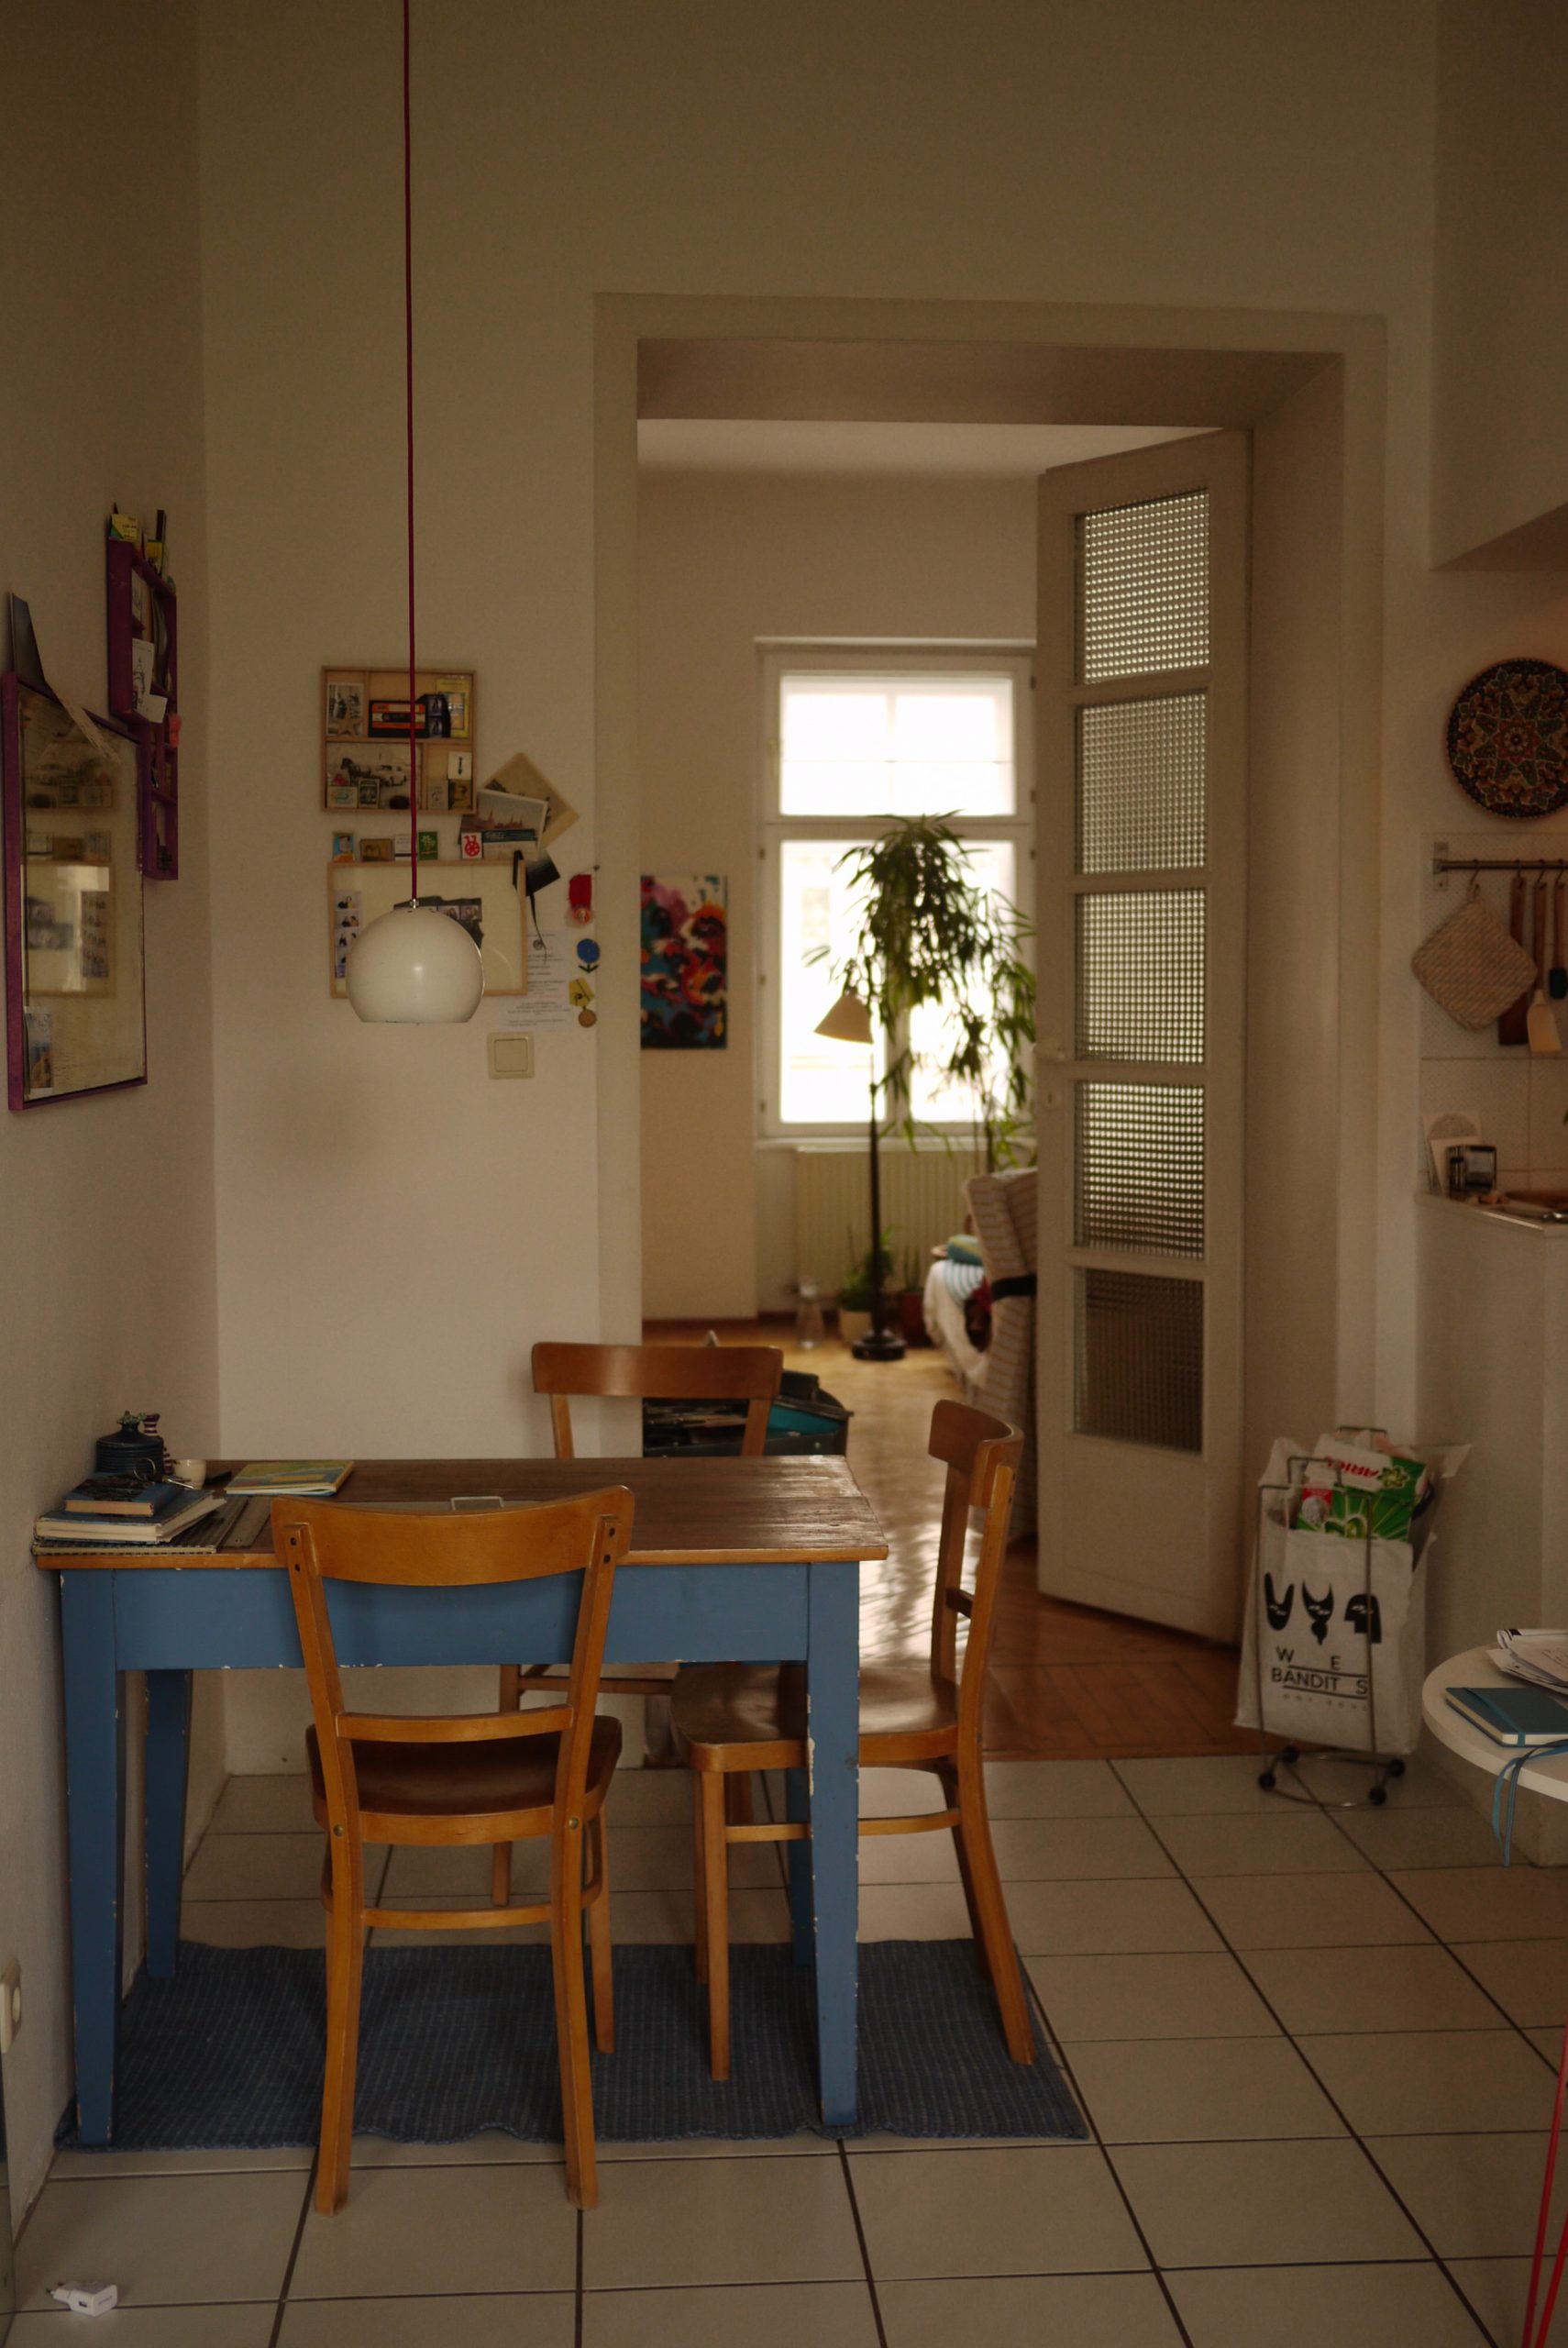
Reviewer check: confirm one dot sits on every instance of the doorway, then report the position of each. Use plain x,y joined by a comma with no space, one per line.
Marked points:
685,366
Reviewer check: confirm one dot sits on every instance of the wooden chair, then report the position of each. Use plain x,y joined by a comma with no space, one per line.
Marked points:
925,1716
748,1374
458,1780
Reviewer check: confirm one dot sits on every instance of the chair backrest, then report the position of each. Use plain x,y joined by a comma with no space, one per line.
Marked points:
981,1455
323,1541
748,1374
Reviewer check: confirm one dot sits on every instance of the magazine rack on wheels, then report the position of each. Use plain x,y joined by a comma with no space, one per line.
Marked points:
1384,1766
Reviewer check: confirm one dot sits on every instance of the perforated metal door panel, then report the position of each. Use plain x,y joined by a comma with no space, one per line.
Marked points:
1139,976
1139,1168
1141,795
1143,588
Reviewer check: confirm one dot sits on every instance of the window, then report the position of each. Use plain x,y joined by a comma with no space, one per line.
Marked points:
853,742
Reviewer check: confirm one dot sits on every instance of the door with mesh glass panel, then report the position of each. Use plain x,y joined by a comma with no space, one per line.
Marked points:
1142,915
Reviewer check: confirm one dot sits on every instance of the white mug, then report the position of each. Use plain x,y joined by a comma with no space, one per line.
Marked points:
190,1471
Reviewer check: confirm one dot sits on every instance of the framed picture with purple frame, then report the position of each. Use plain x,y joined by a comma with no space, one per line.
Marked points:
76,993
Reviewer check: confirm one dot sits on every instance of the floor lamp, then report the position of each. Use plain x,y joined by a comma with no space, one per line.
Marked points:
849,1022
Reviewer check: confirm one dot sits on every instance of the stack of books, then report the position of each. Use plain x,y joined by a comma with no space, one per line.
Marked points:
103,1509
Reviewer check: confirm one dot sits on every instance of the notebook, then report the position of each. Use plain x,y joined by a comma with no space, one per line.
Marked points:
127,1532
291,1480
106,1496
1518,1716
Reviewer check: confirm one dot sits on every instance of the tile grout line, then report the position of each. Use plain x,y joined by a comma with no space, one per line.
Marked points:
1362,2146
1400,1894
292,2258
848,2177
1063,2063
576,2293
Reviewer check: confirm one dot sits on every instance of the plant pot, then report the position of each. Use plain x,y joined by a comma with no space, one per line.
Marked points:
912,1317
852,1325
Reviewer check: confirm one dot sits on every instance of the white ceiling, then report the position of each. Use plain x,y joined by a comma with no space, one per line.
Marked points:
991,451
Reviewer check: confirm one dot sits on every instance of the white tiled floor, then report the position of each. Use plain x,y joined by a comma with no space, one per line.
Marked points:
1315,2051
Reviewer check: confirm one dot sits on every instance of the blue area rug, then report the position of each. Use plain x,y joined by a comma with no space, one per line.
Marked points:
229,2054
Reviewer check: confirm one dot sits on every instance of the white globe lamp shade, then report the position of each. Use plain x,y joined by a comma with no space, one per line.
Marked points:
415,964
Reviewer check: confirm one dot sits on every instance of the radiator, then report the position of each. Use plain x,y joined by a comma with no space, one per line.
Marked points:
922,1204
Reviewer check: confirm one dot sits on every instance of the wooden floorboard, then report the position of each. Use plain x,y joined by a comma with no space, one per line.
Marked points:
1068,1681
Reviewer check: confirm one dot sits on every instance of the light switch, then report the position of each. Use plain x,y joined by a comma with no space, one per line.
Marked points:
511,1055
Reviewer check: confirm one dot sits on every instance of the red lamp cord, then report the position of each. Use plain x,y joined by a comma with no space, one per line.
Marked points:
408,359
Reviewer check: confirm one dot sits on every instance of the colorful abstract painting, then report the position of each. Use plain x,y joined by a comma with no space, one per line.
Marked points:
685,958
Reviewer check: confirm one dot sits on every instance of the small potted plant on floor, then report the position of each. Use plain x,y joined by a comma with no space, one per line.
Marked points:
856,1293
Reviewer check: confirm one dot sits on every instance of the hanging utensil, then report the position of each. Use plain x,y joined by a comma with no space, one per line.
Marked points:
1541,1021
1558,982
1512,1025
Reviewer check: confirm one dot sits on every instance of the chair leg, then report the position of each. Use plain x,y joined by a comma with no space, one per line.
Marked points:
345,1972
716,1901
996,1933
699,1881
500,1865
571,2026
738,1804
600,1945
948,1778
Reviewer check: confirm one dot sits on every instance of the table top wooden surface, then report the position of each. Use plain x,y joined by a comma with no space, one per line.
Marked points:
688,1511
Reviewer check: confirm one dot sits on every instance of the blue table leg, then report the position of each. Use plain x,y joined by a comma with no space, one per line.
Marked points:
94,1794
832,1728
167,1762
797,1806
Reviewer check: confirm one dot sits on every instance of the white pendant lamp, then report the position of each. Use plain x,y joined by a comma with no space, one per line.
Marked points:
417,964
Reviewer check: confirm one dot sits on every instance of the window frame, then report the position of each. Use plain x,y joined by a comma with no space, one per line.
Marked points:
867,657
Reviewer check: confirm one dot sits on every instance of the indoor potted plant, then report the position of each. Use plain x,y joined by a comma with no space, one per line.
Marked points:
856,1294
931,935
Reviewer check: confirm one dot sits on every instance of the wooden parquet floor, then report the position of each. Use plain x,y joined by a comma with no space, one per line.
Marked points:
1067,1682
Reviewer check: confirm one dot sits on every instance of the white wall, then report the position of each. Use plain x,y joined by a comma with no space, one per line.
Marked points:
393,1231
723,560
1500,459
107,1203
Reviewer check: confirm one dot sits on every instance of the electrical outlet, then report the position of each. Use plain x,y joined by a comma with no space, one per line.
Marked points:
10,2004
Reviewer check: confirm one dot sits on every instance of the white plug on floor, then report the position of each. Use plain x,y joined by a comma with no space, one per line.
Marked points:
82,2302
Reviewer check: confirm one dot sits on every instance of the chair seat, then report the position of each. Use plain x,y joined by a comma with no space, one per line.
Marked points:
492,1777
725,1710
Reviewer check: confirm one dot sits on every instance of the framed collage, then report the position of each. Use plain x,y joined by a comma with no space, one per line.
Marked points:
369,766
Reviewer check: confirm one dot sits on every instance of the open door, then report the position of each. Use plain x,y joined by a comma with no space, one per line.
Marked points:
1141,716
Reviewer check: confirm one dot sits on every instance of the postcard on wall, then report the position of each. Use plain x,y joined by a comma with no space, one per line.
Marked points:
685,986
552,966
38,1028
346,712
521,778
346,908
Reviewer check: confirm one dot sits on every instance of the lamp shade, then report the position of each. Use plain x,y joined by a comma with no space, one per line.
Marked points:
849,1021
415,964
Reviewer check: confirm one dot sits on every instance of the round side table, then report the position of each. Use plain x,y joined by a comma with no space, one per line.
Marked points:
1475,1669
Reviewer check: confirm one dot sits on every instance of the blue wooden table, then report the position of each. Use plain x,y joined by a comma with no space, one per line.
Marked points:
742,1560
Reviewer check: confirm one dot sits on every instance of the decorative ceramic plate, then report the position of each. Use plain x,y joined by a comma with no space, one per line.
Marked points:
1507,739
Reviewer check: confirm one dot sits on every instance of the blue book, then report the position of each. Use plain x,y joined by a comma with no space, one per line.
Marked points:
108,1496
1518,1716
